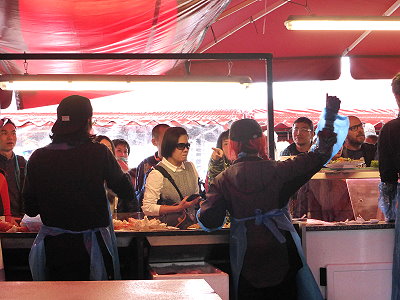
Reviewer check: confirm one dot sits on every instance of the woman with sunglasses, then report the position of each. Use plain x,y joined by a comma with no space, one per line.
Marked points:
161,198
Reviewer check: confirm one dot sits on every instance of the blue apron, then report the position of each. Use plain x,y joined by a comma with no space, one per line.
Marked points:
37,255
273,220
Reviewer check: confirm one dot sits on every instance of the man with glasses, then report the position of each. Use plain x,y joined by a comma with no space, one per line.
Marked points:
13,166
355,146
303,133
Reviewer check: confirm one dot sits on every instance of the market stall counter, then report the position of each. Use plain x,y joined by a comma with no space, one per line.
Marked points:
350,260
137,249
117,289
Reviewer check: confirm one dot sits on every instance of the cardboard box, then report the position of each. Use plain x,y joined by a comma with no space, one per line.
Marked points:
217,279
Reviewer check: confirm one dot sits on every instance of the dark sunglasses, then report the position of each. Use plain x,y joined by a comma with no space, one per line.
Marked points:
181,146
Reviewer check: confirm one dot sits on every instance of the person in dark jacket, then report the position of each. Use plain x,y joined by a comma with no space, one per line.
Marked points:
389,169
13,166
303,134
157,135
266,255
65,185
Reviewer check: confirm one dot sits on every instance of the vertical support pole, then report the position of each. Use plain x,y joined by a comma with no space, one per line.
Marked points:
270,110
2,273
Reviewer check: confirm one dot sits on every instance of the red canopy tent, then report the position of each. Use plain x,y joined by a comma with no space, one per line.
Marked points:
171,26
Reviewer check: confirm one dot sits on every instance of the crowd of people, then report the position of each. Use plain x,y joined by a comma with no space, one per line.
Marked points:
77,181
308,201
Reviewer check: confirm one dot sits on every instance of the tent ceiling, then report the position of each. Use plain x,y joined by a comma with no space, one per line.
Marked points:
307,55
183,26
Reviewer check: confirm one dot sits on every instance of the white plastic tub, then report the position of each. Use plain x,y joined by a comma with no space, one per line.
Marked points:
217,279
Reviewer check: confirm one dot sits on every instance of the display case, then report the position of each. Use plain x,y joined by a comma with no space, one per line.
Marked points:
340,195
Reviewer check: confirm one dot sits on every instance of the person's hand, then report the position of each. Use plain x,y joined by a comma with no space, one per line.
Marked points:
332,103
184,204
12,220
217,154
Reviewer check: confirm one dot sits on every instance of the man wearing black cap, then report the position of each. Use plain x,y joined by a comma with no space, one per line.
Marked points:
65,185
265,257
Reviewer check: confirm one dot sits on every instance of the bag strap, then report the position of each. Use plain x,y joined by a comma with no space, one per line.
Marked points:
169,177
20,171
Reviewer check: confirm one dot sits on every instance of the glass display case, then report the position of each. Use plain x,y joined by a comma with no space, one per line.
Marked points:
340,195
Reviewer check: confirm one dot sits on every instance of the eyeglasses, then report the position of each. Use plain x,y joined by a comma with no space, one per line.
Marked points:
302,130
355,127
181,146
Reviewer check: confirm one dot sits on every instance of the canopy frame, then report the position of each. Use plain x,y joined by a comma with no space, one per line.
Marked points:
266,57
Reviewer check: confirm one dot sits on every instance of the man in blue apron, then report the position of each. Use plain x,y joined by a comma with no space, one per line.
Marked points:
265,251
65,185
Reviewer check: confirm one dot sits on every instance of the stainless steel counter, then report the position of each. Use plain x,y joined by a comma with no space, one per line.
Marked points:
136,249
155,238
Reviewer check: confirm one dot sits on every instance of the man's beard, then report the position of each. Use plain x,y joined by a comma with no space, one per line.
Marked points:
356,143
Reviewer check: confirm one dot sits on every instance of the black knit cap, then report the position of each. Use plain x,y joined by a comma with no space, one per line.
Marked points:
244,130
73,113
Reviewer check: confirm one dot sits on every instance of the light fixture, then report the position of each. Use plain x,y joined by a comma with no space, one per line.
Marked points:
343,23
78,82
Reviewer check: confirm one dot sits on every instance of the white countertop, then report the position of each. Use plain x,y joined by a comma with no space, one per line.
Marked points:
102,290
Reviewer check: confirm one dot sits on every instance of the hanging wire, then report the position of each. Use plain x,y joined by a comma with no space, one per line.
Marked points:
265,18
188,65
25,66
254,23
230,66
305,5
213,34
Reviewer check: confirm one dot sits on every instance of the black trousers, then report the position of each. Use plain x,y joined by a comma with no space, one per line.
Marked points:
68,260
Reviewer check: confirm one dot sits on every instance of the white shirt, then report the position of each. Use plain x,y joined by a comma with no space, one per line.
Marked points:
154,184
